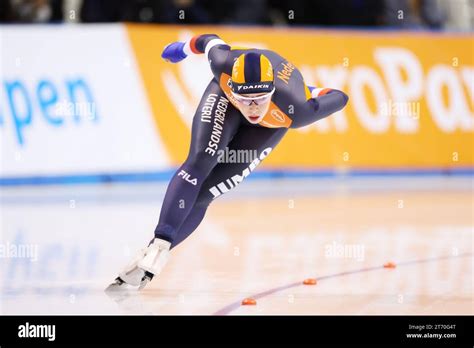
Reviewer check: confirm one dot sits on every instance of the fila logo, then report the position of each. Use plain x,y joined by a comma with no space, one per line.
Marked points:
187,177
260,85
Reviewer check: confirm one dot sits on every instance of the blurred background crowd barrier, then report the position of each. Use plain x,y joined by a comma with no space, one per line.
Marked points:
434,14
96,101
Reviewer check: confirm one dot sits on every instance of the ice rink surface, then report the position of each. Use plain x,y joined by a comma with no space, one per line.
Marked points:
62,245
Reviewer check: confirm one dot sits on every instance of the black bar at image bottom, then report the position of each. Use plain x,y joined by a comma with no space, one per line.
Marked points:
289,330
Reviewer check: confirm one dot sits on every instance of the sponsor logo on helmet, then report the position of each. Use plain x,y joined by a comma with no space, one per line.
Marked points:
256,86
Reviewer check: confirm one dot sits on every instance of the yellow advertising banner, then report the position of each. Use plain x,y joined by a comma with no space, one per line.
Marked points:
411,94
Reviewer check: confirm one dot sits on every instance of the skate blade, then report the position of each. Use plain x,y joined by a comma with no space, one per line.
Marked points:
145,280
117,285
119,291
142,285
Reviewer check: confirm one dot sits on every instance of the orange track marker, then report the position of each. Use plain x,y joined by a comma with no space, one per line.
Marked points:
249,302
390,265
310,281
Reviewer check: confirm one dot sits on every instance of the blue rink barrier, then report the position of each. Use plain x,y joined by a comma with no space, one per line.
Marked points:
264,174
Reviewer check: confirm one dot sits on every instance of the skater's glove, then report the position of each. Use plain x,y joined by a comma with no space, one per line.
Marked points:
174,52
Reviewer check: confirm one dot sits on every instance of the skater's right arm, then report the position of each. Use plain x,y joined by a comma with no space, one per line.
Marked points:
216,50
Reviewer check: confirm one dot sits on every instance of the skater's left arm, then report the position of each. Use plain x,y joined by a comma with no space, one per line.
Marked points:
323,102
215,49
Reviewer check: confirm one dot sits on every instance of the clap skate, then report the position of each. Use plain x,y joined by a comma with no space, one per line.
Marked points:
144,266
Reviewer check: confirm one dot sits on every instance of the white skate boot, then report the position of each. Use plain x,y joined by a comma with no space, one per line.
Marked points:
146,264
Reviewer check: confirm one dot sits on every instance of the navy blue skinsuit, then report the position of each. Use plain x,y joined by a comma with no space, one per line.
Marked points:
218,124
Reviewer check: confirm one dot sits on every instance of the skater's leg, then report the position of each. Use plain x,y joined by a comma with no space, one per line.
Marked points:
190,224
214,124
253,140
